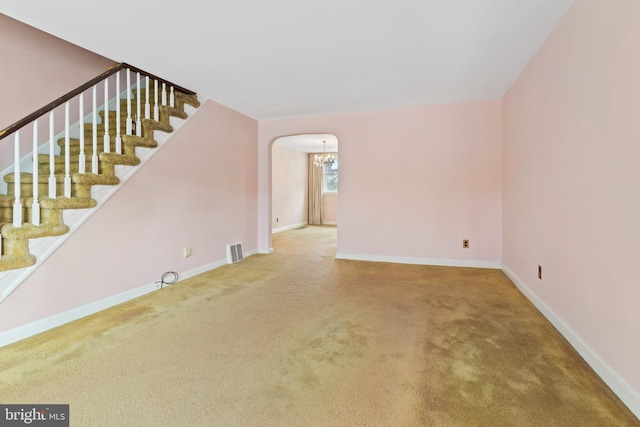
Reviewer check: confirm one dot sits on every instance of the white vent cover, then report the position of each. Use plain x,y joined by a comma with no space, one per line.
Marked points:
234,253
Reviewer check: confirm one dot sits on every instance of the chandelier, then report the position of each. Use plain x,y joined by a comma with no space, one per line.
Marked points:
325,158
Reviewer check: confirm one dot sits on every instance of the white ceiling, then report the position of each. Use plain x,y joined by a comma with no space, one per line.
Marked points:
310,143
285,58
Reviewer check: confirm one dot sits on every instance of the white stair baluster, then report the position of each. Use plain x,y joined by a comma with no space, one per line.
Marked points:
81,156
172,99
147,107
118,137
17,204
94,156
129,124
35,206
138,115
105,122
156,110
52,160
164,94
67,154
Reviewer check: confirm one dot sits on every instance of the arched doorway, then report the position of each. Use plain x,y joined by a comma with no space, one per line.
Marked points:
304,181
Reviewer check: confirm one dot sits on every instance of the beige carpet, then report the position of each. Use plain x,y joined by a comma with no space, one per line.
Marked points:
297,338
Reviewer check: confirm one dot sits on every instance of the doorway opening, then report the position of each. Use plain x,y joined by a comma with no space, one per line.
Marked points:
305,172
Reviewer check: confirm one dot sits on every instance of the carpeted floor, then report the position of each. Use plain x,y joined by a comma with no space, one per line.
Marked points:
297,338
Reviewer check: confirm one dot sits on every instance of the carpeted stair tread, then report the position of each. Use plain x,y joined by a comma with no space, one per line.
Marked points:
30,231
154,125
188,99
119,159
11,263
67,203
175,112
140,141
94,179
55,203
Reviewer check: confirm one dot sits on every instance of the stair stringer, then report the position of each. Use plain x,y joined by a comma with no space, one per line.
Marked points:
44,247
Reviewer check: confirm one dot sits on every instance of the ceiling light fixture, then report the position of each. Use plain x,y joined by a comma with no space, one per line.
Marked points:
325,158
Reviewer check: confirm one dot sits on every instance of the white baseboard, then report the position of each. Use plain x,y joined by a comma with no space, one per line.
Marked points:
329,223
422,261
42,325
620,387
288,227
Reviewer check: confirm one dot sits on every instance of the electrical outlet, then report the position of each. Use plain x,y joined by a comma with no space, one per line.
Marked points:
465,244
186,252
540,272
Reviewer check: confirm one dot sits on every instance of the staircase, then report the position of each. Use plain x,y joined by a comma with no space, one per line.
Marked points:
80,158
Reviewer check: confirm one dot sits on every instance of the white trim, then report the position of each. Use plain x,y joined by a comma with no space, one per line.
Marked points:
265,251
329,223
288,227
42,325
619,386
422,261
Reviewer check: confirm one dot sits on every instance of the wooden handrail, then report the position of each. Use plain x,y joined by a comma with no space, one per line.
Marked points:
77,91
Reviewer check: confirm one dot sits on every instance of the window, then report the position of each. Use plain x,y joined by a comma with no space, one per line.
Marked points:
330,177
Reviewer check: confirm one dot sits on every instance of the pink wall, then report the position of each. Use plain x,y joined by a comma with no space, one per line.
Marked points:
289,186
199,190
414,182
41,69
572,178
